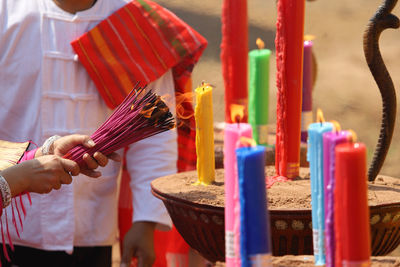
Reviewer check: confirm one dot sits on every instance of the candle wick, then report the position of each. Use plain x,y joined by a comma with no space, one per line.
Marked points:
237,119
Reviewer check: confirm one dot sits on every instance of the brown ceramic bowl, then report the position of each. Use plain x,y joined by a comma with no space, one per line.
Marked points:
202,227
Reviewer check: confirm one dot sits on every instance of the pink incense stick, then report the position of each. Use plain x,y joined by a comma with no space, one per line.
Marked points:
142,114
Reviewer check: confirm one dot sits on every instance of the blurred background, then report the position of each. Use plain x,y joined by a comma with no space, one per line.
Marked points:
345,90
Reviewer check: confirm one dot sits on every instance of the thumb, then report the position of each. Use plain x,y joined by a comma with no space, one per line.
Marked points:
80,139
88,142
70,166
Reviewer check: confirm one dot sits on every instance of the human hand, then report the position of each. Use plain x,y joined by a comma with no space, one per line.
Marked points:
139,242
61,146
50,172
40,175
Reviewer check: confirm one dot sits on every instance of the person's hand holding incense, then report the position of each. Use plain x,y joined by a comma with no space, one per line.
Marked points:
61,145
40,175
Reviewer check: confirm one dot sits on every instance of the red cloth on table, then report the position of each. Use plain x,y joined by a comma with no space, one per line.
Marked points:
139,43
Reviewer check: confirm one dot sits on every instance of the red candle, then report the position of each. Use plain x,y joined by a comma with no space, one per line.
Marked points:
234,53
351,206
289,59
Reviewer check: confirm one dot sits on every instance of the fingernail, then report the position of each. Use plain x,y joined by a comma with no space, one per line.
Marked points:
91,142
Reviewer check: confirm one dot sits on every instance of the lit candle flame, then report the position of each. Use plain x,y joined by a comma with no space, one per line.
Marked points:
352,136
320,116
237,112
245,141
309,37
260,43
336,126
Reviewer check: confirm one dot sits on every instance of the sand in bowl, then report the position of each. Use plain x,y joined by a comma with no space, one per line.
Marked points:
290,195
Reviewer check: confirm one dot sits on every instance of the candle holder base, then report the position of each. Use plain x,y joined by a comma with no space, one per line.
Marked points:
198,214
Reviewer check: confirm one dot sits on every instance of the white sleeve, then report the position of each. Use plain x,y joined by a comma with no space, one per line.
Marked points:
151,158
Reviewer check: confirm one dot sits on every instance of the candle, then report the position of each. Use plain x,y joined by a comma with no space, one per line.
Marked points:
315,157
255,242
289,54
330,141
232,133
204,135
259,92
306,107
234,54
351,206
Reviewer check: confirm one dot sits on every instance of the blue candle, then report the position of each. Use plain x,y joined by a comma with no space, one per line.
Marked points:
255,242
316,159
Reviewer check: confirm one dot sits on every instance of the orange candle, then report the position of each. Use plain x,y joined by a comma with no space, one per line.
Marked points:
351,206
289,59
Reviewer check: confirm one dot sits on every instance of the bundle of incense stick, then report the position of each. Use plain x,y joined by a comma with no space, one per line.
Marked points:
142,114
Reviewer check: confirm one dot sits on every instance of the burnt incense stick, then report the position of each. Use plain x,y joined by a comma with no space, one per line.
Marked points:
142,114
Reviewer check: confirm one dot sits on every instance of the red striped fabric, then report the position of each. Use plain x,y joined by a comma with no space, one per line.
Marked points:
140,42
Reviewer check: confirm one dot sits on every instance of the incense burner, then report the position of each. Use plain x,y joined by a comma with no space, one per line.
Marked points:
203,228
202,225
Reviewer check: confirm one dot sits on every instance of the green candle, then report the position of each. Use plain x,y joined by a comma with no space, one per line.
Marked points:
259,92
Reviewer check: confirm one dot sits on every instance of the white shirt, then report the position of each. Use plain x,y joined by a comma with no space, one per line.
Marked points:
46,91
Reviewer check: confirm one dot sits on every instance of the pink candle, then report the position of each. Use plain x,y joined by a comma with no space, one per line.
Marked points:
232,133
330,141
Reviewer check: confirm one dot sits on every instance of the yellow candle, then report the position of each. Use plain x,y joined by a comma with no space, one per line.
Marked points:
204,135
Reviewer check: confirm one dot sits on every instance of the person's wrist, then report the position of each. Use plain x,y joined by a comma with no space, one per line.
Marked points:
48,145
5,192
146,225
19,177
